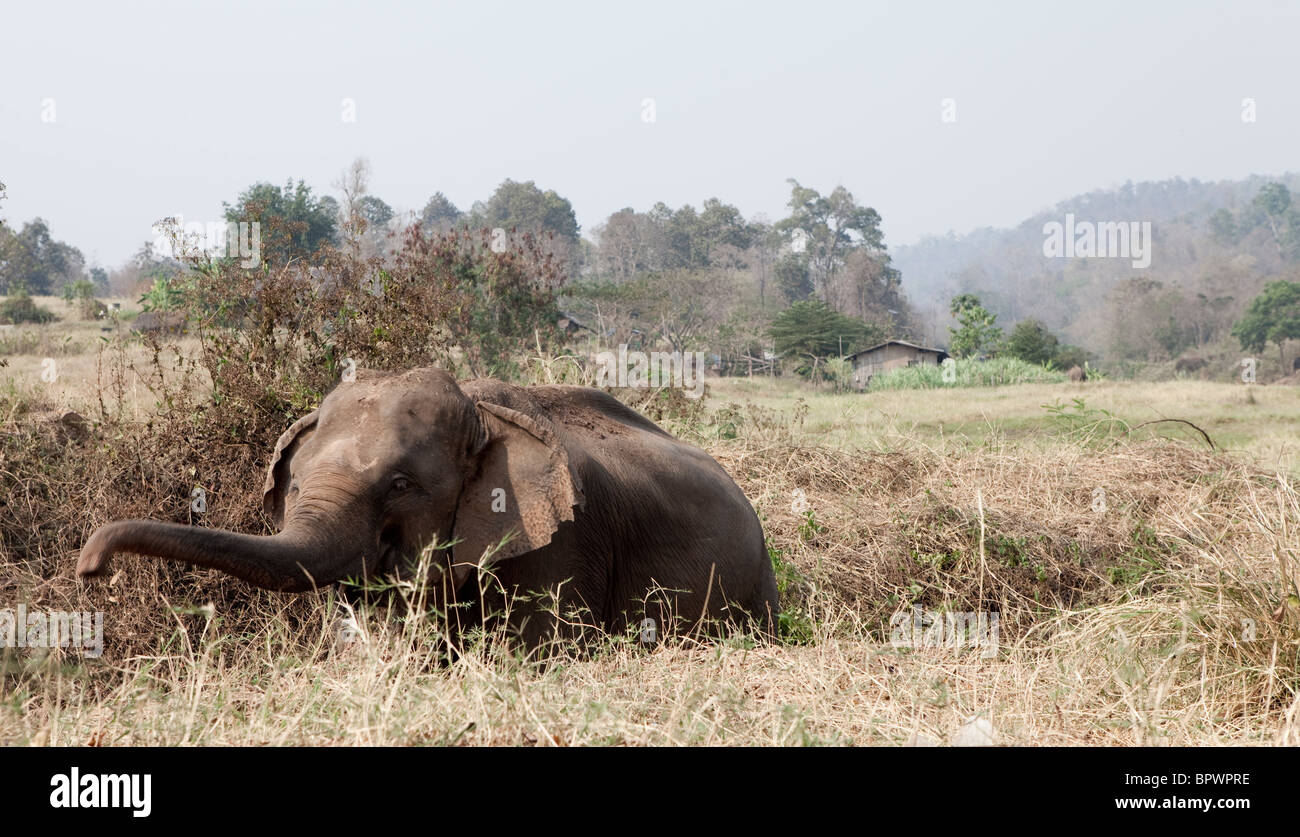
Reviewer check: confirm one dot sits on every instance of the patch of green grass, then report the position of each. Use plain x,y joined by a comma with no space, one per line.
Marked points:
1082,423
1007,550
795,624
966,373
809,528
1146,558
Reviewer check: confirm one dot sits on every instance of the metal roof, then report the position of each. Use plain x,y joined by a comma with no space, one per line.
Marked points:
899,343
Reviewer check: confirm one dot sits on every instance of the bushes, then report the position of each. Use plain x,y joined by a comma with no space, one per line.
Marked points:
20,308
82,294
89,308
163,295
275,339
1032,342
269,343
967,373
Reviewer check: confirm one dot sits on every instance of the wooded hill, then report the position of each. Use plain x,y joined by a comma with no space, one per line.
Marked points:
1215,245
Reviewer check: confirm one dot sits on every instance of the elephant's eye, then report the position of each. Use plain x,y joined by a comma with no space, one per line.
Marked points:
401,484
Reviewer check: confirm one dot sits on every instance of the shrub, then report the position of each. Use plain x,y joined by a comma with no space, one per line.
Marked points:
21,308
82,293
1068,357
1032,342
274,340
163,295
967,372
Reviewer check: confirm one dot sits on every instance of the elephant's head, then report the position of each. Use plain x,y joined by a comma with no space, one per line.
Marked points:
386,465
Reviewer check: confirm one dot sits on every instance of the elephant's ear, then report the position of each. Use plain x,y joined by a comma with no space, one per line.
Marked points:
523,488
276,484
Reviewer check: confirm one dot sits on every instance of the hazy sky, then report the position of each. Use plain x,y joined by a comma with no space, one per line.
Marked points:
171,107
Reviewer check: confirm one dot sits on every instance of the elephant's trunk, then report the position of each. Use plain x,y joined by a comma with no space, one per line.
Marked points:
291,561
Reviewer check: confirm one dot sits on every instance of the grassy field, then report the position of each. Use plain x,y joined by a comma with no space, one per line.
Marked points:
1259,424
78,349
1147,586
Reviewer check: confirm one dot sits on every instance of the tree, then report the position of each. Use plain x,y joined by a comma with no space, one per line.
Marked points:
137,275
354,184
869,289
812,331
99,277
1032,342
977,333
630,243
1149,321
82,294
1068,357
663,239
680,306
793,277
1271,317
149,266
721,229
831,226
294,222
684,236
495,308
329,205
764,247
1223,228
1273,202
31,258
376,212
527,208
439,214
80,289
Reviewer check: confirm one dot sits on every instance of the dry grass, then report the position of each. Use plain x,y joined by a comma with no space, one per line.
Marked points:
1106,639
1148,589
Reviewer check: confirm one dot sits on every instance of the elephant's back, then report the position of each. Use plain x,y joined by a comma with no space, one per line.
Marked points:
672,499
590,413
618,439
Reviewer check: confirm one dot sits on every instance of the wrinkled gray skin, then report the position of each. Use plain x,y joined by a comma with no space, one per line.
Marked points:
620,517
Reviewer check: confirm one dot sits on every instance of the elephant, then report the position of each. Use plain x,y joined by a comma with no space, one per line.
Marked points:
1077,374
590,498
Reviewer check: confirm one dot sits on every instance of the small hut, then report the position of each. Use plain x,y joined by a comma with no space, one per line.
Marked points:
892,354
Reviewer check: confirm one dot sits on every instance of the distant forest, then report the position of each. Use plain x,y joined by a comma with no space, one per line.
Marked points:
1215,247
707,278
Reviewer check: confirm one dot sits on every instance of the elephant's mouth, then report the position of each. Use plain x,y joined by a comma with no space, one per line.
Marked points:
391,548
399,549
